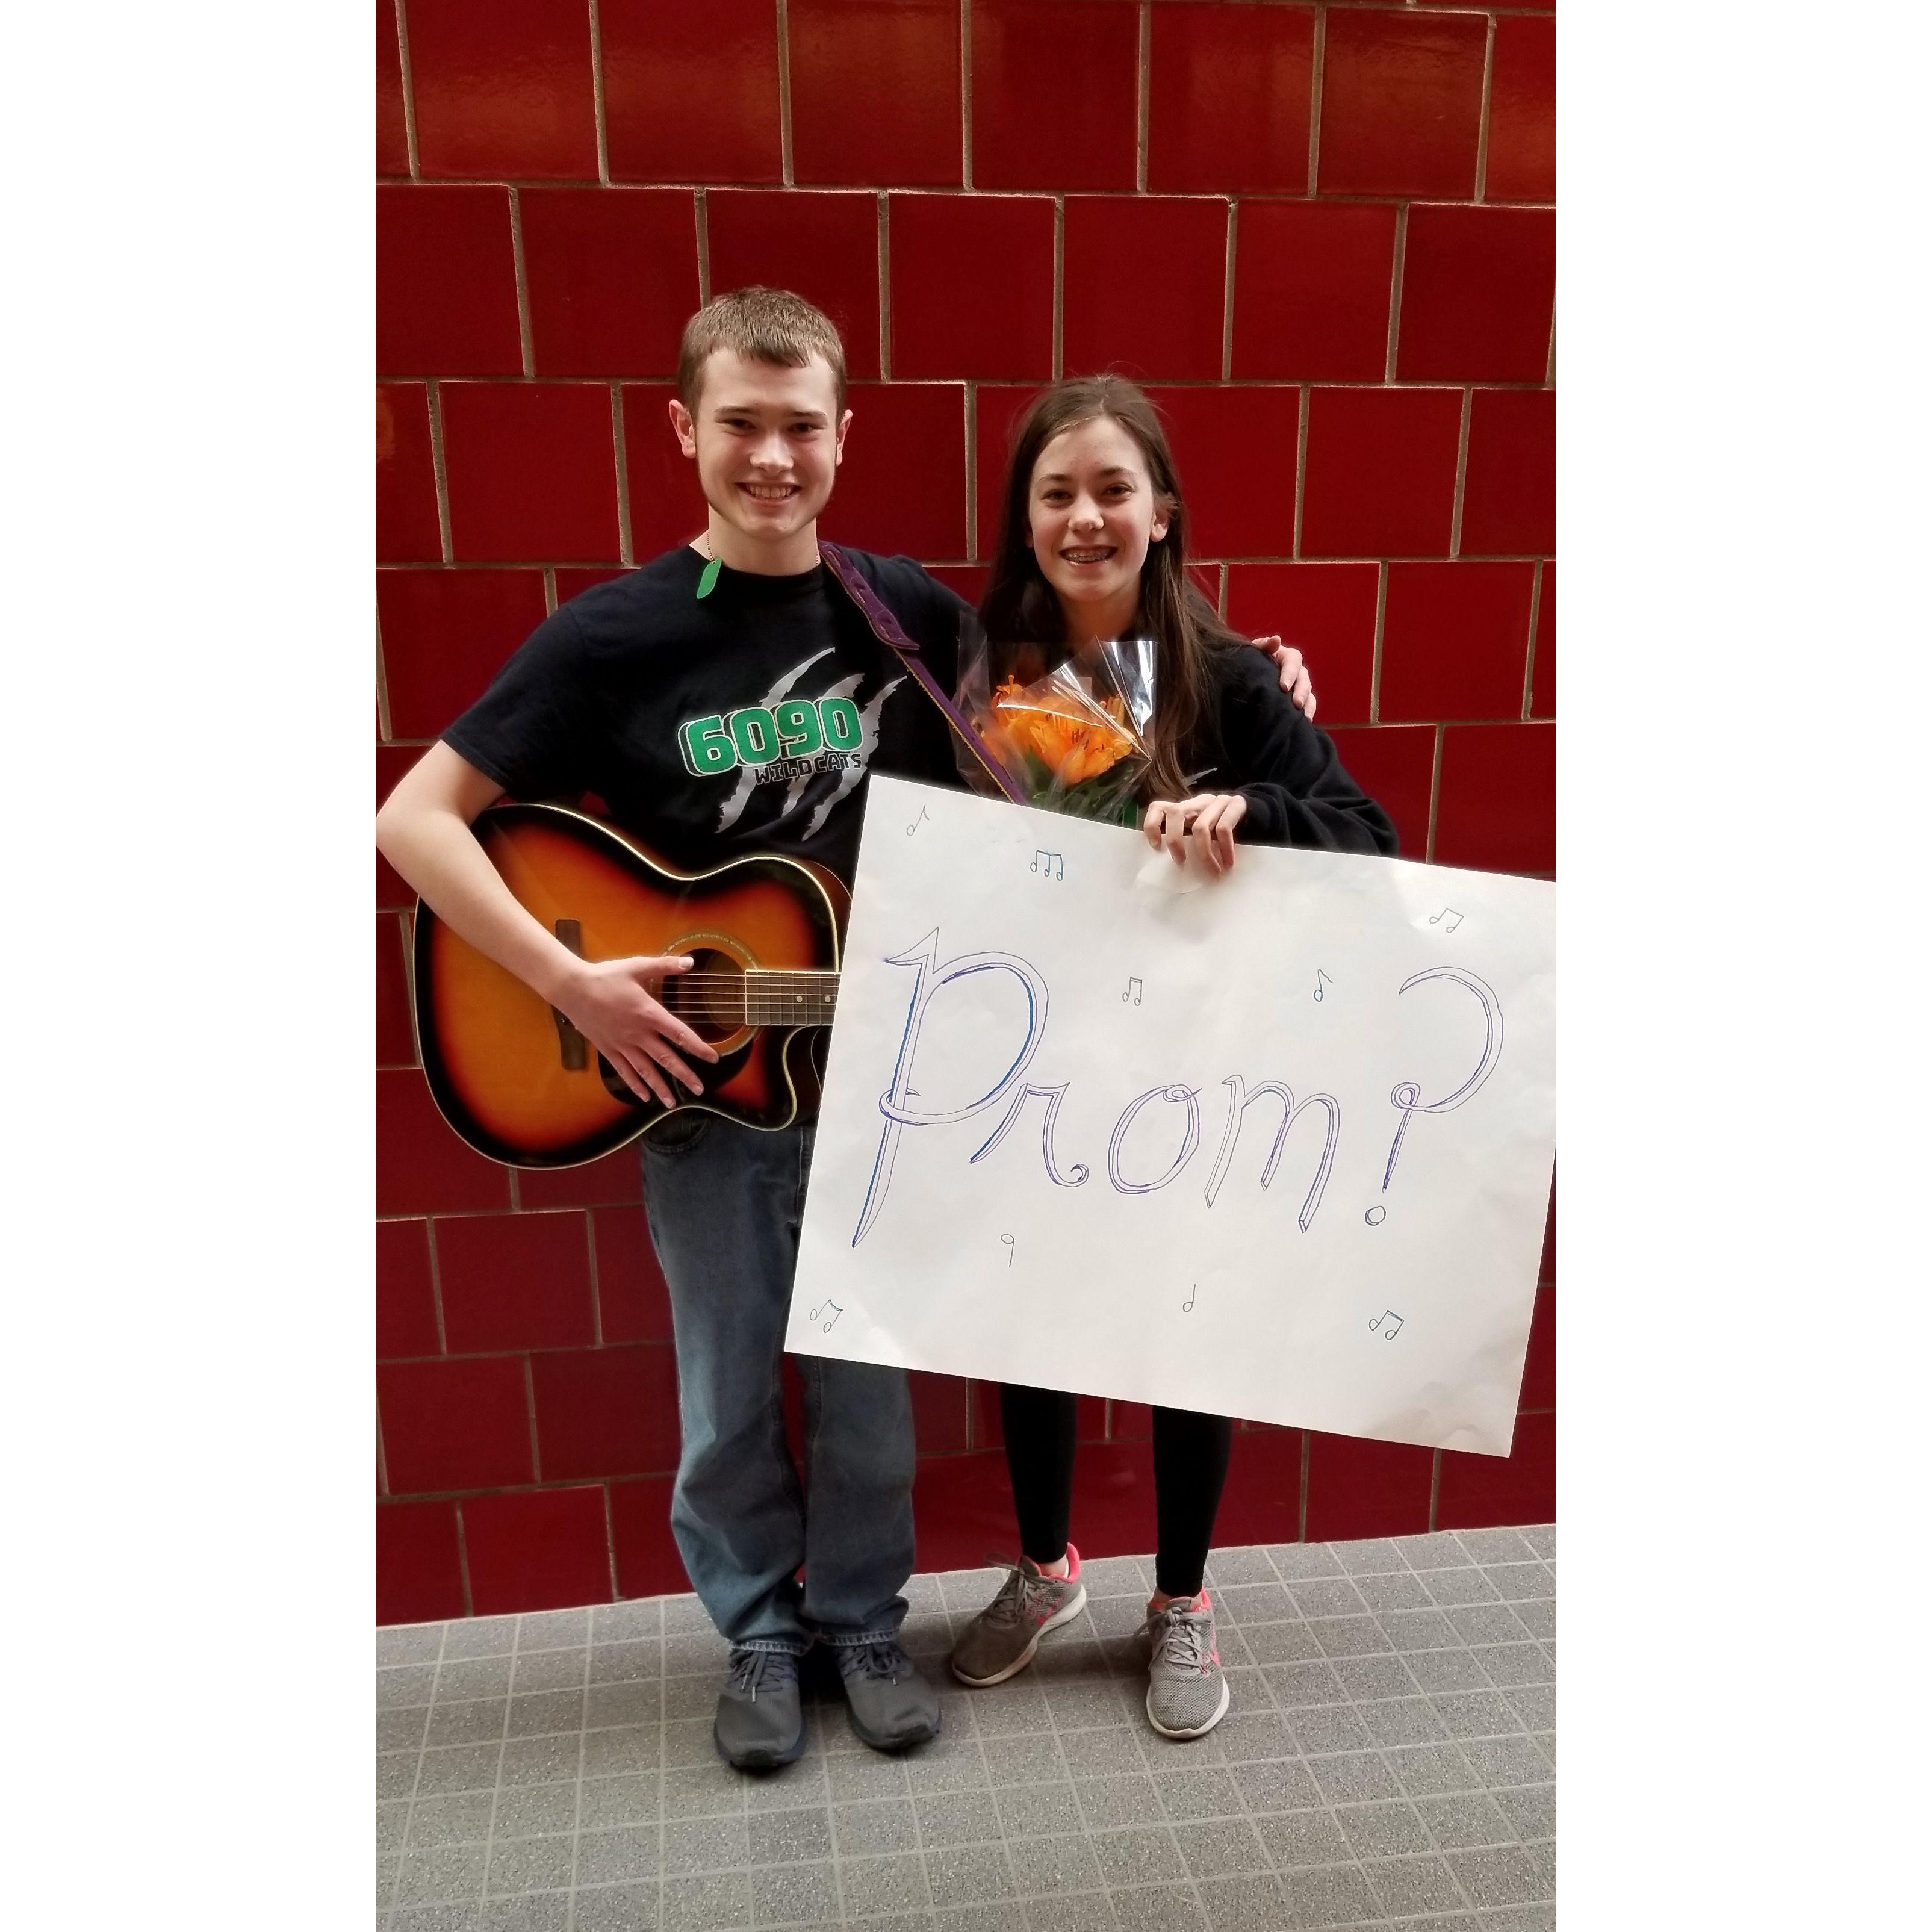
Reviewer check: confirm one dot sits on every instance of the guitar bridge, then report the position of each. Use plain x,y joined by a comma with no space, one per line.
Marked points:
575,1049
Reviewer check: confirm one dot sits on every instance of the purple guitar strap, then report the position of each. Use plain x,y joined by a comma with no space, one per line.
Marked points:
888,630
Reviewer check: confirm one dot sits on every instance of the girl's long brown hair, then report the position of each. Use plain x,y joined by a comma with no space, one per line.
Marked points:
1020,607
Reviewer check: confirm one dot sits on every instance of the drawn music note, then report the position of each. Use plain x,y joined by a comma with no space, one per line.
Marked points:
1393,1320
1133,991
1454,918
1008,1240
836,1312
923,814
1191,1294
1319,977
1040,852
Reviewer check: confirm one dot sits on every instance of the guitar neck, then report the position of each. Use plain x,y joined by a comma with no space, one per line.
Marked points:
759,996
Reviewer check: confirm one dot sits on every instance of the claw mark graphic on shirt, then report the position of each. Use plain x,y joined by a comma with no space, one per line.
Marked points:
868,743
748,776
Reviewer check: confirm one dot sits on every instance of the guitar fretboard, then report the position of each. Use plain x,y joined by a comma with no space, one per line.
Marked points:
760,996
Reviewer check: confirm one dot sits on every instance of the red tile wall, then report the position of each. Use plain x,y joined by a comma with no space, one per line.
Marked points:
1324,235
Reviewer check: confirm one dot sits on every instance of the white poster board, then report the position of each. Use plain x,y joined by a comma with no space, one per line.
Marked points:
1276,1145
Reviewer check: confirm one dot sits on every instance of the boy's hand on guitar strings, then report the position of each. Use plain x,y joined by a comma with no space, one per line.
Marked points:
610,1002
1204,826
1294,678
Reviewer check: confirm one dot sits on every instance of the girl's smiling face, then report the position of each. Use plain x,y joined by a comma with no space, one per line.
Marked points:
1091,514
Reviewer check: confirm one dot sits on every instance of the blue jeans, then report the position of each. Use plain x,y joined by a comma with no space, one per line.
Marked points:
724,1203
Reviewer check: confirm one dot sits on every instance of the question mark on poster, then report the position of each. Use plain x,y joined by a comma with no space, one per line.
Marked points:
1407,1094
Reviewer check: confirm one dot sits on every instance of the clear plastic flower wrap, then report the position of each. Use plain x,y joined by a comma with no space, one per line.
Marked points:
1073,736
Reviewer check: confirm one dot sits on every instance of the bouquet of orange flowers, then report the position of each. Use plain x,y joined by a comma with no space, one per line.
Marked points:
1073,736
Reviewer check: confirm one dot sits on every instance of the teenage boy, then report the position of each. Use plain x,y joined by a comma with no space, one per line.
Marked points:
599,699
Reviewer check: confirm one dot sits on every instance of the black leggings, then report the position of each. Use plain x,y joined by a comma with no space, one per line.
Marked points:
1190,1464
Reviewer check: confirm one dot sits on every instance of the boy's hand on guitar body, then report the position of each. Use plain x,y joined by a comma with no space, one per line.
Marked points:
611,1003
1294,678
1203,826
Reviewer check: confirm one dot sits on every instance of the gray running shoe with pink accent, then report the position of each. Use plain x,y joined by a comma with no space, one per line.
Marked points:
1187,1690
1000,1641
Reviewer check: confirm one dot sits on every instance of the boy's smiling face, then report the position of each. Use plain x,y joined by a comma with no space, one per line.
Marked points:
767,440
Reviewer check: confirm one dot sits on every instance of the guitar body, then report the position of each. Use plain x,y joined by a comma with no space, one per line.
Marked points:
517,1082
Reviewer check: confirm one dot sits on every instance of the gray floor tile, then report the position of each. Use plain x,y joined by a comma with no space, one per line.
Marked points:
540,1670
1100,1753
1313,1680
1509,1665
481,1723
704,1790
968,1874
1327,1597
896,1883
1385,1831
1302,1838
1282,1643
533,1811
1219,1848
1055,1864
1409,1886
1324,1895
1519,1918
863,1775
1350,1637
480,1636
1437,1671
1275,1785
1495,1545
539,1912
403,1729
1404,1591
435,1918
614,1800
618,1623
1208,1793
1534,1705
1427,1771
1070,1911
405,1684
458,1819
1501,1761
1439,1551
685,1613
955,1817
1291,1560
448,1873
1329,1727
1113,1577
518,1865
623,1753
1108,1802
788,1838
1029,1759
538,1760
1040,1810
1225,1568
1145,1855
1375,1556
467,1678
1449,1589
620,1856
416,1643
1417,1630
553,1629
1464,1818
1542,1539
1489,1623
1477,1714
1260,1602
1501,1875
1538,1617
462,1768
620,1908
1530,1810
1402,1721
1159,1908
1355,1778
1246,1736
1252,1902
875,1826
711,1901
704,1844
788,1895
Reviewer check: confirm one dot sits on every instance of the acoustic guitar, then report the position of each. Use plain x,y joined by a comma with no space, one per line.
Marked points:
520,1084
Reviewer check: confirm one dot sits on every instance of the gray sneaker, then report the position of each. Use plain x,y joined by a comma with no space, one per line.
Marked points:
892,1705
760,1723
1000,1641
1187,1692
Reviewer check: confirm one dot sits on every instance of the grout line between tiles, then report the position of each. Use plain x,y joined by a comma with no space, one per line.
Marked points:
1302,410
597,95
523,334
966,94
409,90
1462,471
784,94
1428,859
1143,91
1529,656
1482,111
437,461
1395,289
1317,64
702,214
1375,649
625,552
1228,305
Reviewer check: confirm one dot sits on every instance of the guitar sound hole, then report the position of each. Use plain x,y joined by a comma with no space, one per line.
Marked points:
710,998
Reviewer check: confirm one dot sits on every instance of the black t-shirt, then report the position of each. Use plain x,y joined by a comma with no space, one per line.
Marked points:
742,722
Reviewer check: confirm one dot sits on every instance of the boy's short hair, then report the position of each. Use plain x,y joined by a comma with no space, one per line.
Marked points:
761,325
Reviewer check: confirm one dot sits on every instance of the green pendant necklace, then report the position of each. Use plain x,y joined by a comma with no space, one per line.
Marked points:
707,578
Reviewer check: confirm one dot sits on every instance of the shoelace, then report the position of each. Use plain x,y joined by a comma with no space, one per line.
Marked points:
878,1659
751,1668
1181,1637
1020,1595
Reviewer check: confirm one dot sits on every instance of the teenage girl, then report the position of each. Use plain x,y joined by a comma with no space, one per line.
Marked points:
1093,547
